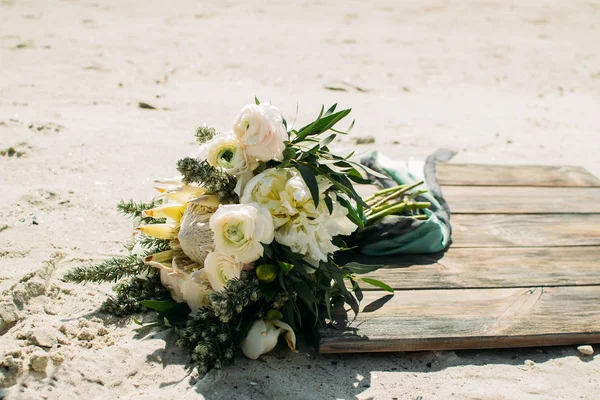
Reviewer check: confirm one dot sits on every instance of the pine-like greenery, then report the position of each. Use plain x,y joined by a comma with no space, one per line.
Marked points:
212,179
130,292
110,270
154,245
204,134
214,332
134,210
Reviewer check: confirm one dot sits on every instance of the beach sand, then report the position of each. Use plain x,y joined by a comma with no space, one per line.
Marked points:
497,81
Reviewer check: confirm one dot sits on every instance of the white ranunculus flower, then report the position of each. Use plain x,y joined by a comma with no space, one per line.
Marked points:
220,268
241,229
227,152
263,335
300,225
260,128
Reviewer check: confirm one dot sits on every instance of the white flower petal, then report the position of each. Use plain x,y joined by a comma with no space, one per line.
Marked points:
263,335
261,130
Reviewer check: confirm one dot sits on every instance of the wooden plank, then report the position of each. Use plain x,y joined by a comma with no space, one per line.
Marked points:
468,319
484,230
490,268
514,175
521,200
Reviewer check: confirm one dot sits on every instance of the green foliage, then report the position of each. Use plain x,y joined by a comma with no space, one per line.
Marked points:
378,283
204,134
135,209
310,154
153,245
110,270
130,293
213,179
214,332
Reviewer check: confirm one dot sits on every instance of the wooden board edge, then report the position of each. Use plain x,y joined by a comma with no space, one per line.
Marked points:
364,345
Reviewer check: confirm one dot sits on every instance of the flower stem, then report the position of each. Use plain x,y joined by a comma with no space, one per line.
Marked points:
396,193
398,207
383,192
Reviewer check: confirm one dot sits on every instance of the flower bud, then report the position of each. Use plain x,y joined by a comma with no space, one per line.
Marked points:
266,273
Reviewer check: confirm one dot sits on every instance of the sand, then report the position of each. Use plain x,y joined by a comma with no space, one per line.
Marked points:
497,81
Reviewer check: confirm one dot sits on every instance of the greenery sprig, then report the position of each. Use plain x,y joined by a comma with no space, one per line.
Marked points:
212,179
130,293
111,270
134,210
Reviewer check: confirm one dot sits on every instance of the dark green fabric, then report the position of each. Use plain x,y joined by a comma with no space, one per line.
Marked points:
404,235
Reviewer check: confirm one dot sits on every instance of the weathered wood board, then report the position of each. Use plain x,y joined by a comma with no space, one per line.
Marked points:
514,175
523,269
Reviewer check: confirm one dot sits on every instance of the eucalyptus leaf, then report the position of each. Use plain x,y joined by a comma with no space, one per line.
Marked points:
378,283
327,140
159,306
330,110
352,214
360,269
311,181
329,204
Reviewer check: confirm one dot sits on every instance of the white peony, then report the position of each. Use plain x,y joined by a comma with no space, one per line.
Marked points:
263,335
300,225
220,268
260,128
227,152
241,229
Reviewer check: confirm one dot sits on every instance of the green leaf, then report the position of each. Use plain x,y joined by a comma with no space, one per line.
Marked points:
327,140
352,214
378,284
274,315
360,269
347,131
328,303
305,293
289,153
268,290
327,122
329,204
355,176
370,170
285,267
256,101
311,181
159,306
320,125
330,110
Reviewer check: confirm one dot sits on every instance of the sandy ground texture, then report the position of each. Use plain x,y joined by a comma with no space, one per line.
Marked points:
497,81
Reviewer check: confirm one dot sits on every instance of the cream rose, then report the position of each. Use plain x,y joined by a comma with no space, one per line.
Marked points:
227,152
241,229
221,268
260,128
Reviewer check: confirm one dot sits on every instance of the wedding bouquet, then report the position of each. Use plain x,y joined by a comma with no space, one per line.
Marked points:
241,248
